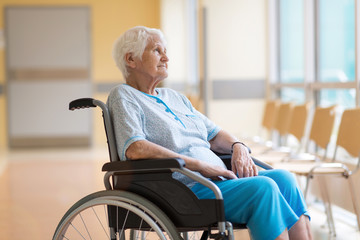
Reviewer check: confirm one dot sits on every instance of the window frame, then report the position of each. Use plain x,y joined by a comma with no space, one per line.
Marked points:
311,85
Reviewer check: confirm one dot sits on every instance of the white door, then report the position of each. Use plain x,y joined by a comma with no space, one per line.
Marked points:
48,65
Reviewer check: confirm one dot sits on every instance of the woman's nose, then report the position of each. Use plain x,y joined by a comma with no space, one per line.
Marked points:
164,58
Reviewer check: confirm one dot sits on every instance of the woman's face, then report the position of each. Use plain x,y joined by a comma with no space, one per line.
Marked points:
154,60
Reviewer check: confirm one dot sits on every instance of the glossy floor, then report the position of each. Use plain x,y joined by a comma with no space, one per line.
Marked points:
37,187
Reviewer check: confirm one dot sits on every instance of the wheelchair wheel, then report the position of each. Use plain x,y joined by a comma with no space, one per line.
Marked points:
115,215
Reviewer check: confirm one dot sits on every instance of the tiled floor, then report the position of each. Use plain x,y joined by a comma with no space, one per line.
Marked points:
37,187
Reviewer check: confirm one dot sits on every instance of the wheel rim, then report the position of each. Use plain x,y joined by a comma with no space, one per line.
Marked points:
77,225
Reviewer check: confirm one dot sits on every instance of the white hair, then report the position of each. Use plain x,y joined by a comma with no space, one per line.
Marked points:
133,41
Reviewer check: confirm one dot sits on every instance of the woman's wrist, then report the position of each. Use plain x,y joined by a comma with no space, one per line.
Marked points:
239,143
191,163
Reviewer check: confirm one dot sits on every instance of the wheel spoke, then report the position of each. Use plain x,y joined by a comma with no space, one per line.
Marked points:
123,227
77,231
137,232
85,226
85,219
65,237
101,222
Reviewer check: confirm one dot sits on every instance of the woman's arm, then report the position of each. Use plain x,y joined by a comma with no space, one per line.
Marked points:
147,150
241,162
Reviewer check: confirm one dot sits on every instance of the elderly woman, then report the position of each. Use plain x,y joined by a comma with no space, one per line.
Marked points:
161,123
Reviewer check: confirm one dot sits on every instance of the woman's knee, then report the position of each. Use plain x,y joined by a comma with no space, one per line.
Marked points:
265,186
282,177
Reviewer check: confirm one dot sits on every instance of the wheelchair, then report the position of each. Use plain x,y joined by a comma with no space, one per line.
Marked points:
143,201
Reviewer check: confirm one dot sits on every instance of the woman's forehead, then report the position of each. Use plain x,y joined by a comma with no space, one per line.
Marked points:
155,40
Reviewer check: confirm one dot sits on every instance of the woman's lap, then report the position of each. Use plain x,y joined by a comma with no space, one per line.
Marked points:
268,203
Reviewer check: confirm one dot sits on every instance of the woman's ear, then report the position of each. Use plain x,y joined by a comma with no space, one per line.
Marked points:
130,61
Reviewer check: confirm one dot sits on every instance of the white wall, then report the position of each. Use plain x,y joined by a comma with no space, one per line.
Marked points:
173,24
236,40
237,51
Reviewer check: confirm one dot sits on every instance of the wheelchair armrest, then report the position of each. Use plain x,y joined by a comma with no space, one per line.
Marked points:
262,164
155,166
144,165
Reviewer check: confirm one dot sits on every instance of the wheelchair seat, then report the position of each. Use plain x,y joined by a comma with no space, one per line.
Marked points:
142,199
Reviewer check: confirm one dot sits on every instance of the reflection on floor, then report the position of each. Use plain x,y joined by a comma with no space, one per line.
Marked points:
37,187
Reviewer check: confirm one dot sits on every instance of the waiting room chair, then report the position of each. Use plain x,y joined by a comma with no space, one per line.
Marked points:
267,124
270,114
348,139
297,124
280,127
320,136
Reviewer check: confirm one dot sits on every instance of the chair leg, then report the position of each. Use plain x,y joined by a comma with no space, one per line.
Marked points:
327,205
308,178
353,198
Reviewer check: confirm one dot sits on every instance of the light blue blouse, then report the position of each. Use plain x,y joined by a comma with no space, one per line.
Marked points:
167,119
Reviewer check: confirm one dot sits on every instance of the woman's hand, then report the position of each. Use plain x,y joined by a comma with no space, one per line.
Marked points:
214,172
241,162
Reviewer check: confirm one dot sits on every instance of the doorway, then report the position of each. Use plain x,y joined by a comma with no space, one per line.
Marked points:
47,66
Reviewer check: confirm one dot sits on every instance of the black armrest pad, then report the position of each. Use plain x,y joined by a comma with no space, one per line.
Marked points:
144,165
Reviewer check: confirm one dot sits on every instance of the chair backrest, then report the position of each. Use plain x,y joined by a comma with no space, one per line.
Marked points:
270,112
298,120
322,126
349,132
282,121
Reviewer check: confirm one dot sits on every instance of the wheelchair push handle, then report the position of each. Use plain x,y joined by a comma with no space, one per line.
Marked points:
81,103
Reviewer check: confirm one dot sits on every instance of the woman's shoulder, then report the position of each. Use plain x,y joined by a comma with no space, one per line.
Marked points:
122,91
120,88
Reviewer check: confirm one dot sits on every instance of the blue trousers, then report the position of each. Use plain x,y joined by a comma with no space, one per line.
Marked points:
267,204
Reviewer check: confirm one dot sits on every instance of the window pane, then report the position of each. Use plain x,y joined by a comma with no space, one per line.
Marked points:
296,95
345,98
336,40
291,41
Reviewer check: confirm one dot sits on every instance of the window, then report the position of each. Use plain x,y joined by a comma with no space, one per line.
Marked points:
291,49
315,51
342,97
336,51
336,43
296,95
291,41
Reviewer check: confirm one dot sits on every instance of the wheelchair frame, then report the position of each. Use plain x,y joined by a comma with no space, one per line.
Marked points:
147,196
